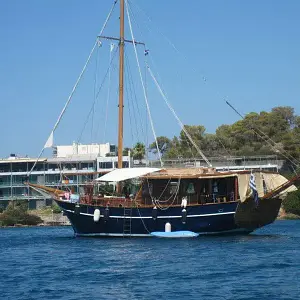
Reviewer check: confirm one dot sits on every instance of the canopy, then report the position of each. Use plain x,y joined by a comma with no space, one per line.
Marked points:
126,173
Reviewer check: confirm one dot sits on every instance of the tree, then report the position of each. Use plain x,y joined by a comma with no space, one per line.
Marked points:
197,134
16,213
174,151
138,151
287,113
275,132
291,203
126,150
164,145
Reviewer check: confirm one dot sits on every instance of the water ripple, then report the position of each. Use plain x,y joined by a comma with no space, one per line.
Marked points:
49,263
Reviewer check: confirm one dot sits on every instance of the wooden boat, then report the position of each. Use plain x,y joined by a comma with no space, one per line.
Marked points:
200,200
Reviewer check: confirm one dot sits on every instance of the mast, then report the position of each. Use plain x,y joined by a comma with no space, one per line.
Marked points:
121,91
121,86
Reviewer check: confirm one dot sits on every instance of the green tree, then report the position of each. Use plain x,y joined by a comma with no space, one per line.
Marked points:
291,203
164,145
138,151
197,133
174,151
126,150
16,213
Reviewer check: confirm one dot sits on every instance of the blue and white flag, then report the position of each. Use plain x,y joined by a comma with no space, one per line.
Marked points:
253,187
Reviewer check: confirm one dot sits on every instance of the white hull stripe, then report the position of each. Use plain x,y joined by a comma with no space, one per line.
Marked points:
158,217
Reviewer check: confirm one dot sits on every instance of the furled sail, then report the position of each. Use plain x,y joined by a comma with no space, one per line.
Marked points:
273,181
265,183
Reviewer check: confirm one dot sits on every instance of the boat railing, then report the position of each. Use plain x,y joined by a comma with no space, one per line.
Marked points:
226,162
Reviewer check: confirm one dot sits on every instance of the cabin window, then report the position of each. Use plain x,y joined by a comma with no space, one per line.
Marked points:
190,188
147,189
173,188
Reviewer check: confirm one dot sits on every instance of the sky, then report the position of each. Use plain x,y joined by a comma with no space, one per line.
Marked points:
202,52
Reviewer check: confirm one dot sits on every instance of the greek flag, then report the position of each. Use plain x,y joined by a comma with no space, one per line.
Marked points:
253,187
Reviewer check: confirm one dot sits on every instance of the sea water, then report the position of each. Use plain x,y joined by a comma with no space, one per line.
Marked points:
49,263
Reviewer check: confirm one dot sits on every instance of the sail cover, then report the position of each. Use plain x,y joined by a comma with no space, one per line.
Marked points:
126,173
273,181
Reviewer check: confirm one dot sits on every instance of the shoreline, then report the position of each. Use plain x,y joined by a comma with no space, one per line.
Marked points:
39,225
288,216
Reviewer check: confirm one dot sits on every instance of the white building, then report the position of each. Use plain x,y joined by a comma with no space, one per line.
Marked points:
81,150
110,163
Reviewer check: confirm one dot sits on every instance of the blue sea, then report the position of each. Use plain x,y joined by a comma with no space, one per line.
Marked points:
49,263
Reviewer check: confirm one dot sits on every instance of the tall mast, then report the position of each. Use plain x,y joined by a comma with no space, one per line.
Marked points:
121,86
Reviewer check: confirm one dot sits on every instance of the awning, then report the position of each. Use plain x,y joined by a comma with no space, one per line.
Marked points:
126,173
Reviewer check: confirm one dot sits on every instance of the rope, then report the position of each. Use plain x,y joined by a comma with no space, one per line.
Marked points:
156,202
142,82
108,91
142,220
95,86
130,118
177,118
94,102
75,86
267,139
129,91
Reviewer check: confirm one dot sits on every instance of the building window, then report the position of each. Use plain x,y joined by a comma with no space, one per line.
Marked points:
105,165
125,164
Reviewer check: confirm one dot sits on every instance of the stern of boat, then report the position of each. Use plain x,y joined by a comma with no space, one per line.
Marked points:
253,215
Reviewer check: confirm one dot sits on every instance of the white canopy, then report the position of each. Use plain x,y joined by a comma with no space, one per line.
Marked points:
126,173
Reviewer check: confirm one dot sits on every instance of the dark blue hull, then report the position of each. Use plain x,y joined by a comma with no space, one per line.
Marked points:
203,219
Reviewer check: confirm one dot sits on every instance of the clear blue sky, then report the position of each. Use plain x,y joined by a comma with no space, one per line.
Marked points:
248,52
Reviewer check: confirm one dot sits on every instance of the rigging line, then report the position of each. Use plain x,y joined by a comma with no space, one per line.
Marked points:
176,147
135,105
156,202
222,144
203,77
177,118
76,84
191,149
151,58
93,105
113,68
267,139
167,39
131,87
95,85
108,90
145,81
127,92
145,73
142,82
172,195
129,110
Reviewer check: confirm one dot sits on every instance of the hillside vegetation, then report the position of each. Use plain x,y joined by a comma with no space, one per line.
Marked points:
16,213
275,132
